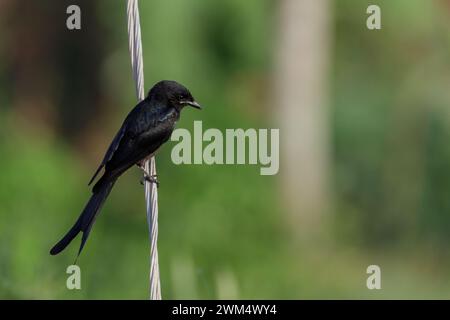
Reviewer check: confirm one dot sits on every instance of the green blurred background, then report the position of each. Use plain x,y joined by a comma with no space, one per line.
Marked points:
364,121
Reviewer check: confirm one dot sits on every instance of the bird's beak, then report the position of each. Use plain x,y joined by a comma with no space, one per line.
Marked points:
194,104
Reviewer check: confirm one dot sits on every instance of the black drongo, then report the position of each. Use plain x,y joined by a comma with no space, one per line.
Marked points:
144,130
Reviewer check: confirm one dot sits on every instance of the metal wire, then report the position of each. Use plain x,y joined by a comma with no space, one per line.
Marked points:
151,191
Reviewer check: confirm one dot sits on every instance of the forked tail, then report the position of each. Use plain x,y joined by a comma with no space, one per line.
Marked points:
87,218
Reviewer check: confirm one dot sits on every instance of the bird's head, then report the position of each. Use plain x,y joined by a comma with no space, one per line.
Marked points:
173,94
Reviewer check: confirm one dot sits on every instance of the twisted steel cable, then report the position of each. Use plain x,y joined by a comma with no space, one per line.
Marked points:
151,191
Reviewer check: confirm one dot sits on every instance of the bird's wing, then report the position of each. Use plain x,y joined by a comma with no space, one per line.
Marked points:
146,132
110,152
117,139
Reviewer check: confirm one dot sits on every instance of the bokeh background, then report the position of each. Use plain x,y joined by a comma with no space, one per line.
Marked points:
364,120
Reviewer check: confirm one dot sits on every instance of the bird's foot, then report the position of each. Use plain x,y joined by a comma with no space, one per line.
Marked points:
151,179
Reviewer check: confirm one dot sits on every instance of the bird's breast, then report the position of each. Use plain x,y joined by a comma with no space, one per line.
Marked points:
158,131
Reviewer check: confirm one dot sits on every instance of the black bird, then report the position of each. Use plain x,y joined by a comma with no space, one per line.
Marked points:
144,130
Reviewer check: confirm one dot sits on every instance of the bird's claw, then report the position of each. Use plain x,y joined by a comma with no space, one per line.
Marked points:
151,179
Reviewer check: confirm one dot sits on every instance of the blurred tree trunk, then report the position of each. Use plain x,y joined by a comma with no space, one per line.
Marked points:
301,108
54,73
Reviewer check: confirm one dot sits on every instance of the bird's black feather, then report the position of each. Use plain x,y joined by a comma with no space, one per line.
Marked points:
144,130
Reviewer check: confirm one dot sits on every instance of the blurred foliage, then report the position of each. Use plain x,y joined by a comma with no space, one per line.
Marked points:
391,168
391,157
